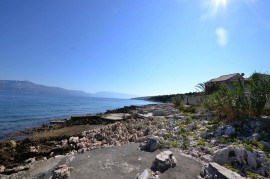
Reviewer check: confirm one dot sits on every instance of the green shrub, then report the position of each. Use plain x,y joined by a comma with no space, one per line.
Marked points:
251,174
167,136
169,144
254,143
178,101
201,142
248,147
226,140
230,168
239,99
187,109
183,131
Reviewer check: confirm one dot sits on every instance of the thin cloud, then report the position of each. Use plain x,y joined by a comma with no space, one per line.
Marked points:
222,37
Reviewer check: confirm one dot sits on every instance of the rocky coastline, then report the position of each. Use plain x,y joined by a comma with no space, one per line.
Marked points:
224,149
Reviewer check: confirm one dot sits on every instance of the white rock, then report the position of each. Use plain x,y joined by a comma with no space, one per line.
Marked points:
83,139
64,142
2,168
174,161
33,149
73,140
80,145
30,160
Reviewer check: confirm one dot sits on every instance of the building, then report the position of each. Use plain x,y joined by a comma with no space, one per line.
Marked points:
213,84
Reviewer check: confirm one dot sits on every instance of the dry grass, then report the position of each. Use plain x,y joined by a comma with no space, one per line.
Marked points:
67,131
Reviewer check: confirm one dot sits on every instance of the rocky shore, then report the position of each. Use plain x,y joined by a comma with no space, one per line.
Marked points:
224,150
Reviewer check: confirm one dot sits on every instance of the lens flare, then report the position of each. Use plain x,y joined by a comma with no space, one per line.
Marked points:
220,3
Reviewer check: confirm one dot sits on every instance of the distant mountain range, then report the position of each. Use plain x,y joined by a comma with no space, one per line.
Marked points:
32,88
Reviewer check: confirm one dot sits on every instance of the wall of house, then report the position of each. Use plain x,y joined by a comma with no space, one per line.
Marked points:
192,100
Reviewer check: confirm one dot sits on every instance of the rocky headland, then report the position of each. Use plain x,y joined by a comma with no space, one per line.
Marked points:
165,137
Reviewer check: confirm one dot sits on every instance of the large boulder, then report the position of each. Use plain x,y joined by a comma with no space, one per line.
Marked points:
251,160
229,130
164,161
153,143
229,154
225,130
240,154
222,156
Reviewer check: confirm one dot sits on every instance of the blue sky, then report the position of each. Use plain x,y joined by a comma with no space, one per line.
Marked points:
142,47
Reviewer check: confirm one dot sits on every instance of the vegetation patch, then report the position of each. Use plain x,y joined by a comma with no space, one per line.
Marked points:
240,99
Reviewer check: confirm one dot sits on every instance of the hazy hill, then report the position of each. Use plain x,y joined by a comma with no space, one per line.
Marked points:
29,87
13,86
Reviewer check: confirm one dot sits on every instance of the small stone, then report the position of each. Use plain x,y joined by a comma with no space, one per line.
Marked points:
33,149
73,140
80,145
64,142
30,160
12,143
2,168
61,172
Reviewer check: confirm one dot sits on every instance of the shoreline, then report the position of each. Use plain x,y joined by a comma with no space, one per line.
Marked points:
198,135
27,132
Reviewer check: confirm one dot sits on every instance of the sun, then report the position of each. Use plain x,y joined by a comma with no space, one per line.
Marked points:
219,3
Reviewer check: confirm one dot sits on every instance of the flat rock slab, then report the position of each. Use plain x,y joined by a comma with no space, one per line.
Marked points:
114,117
126,162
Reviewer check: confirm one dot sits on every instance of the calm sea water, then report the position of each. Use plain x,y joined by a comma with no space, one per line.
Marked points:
22,111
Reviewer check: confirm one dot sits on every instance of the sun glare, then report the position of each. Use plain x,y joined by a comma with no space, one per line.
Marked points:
220,3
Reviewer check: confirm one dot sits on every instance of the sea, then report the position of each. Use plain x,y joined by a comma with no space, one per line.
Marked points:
19,111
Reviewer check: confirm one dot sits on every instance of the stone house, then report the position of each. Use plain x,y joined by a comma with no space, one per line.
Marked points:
213,84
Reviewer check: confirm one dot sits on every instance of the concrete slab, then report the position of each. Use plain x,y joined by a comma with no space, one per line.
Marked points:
112,163
114,117
126,162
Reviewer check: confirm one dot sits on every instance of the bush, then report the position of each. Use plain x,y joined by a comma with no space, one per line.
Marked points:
201,142
178,101
259,90
239,100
